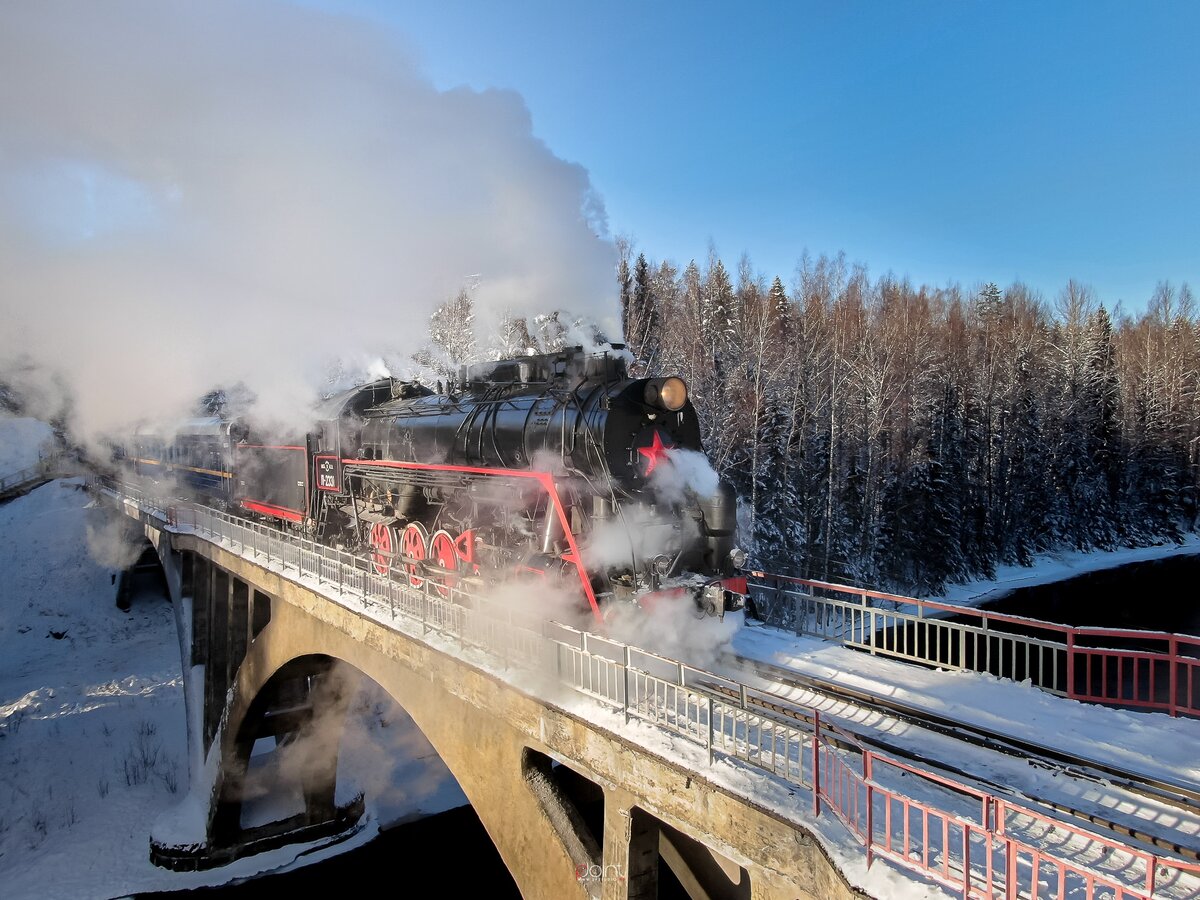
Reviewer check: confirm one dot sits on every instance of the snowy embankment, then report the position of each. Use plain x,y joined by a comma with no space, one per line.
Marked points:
1060,566
23,442
92,742
93,747
93,725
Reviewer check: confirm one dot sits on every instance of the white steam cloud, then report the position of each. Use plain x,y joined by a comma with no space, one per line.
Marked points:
114,541
636,535
685,471
673,627
195,194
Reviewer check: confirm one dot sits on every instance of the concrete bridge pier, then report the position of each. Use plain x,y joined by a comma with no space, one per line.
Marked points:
218,617
629,870
294,684
636,844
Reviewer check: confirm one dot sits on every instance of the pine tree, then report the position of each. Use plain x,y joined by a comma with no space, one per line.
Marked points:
641,325
881,432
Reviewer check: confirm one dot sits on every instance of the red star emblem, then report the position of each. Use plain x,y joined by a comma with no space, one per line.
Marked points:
655,454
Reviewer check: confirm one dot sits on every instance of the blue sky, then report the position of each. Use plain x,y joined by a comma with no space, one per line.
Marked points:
960,141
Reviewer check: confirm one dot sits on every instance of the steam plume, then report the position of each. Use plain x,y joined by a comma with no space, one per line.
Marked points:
202,193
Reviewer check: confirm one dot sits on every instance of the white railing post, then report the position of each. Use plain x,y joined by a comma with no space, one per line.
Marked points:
816,764
711,729
625,705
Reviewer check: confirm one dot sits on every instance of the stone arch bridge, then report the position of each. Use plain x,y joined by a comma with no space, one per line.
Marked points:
575,806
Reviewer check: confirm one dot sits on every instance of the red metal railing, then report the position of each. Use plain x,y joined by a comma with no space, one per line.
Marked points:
997,856
1155,670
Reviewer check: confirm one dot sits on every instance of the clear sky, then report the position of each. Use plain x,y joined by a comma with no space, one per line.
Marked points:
961,141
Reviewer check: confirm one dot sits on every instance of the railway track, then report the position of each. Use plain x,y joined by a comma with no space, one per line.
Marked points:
1181,796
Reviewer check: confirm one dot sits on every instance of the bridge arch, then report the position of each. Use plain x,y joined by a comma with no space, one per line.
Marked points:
487,760
146,573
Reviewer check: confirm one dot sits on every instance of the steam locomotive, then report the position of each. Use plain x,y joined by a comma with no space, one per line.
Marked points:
558,467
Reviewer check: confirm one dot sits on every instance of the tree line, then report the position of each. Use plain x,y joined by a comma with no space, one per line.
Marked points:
904,437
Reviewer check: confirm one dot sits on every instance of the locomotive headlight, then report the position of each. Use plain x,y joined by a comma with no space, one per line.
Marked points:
737,558
669,393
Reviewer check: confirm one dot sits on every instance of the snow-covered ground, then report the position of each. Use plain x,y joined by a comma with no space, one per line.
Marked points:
23,442
92,744
93,729
1059,566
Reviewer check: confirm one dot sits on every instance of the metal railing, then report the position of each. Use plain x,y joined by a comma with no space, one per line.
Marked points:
46,468
1155,670
999,849
1005,850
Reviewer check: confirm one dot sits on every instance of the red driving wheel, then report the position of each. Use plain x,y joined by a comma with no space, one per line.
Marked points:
383,540
444,555
413,545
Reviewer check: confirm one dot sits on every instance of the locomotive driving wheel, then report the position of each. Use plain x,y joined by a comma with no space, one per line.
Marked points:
413,545
383,547
444,555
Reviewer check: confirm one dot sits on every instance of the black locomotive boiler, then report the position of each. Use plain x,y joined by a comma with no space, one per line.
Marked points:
557,467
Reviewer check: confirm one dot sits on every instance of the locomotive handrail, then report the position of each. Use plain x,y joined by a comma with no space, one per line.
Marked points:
976,858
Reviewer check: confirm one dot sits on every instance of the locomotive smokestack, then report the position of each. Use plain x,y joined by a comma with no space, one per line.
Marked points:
720,524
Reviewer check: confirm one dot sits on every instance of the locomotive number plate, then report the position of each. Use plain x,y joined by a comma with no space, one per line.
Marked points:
328,473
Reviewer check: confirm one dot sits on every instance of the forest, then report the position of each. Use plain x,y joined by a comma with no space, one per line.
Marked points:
905,437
